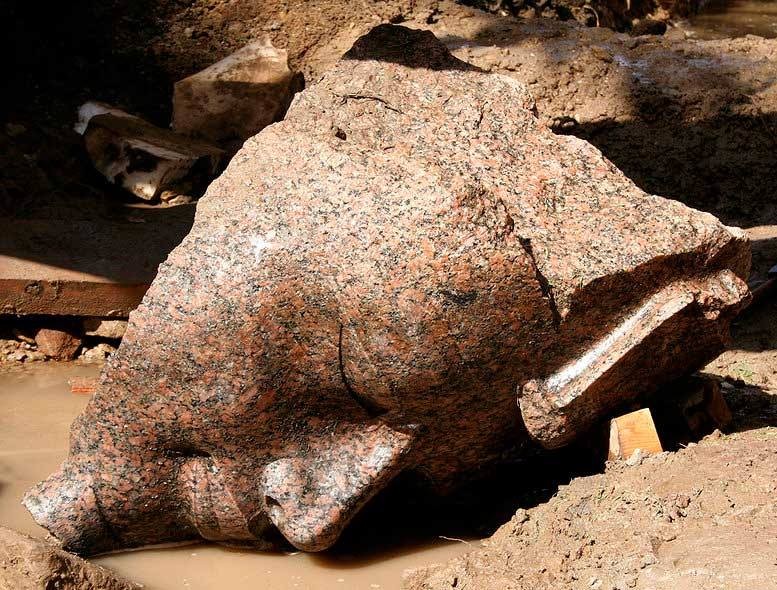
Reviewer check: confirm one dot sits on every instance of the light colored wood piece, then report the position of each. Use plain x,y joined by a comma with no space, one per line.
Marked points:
633,431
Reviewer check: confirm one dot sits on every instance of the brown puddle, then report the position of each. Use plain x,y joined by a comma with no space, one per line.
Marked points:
734,18
36,408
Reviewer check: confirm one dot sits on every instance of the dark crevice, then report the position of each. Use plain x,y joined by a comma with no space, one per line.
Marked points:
184,451
368,97
459,298
545,286
112,532
269,501
373,409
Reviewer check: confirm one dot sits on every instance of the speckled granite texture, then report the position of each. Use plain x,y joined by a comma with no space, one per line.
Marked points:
408,273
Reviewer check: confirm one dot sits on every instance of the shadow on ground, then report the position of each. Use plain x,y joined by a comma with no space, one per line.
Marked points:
407,516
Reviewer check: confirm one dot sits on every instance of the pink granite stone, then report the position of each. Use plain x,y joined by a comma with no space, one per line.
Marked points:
410,272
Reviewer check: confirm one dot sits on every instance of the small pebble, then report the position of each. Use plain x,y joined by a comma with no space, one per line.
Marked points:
521,516
636,458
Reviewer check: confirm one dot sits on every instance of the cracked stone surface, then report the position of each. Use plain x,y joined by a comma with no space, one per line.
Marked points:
409,273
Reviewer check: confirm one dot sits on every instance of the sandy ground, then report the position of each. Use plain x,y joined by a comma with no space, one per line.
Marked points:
700,518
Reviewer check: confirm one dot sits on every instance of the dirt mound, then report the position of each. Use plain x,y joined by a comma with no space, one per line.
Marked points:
33,564
702,518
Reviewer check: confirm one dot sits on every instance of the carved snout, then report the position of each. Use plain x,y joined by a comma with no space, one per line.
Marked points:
67,506
311,499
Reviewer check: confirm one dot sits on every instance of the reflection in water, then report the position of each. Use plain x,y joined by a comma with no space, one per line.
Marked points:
36,408
734,18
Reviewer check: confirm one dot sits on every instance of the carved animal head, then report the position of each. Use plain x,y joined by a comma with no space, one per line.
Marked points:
366,290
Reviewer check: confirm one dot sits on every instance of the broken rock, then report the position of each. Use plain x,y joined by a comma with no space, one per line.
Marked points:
32,564
144,159
236,97
98,353
364,303
57,344
111,329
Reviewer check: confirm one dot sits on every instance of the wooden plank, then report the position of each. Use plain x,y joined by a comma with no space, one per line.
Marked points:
98,268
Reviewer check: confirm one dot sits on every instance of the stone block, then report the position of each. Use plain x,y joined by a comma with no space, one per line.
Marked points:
236,97
60,345
111,329
145,159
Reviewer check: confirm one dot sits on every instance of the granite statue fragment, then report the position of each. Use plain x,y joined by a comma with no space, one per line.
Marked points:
409,273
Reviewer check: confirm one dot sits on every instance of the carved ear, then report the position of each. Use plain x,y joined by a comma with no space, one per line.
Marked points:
312,499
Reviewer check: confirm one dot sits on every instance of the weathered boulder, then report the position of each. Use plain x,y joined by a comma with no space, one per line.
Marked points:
236,97
111,329
366,290
32,564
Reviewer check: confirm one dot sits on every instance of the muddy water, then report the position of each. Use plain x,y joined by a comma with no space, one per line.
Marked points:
734,18
36,408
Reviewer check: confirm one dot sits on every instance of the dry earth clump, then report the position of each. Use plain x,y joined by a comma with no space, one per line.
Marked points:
702,518
32,564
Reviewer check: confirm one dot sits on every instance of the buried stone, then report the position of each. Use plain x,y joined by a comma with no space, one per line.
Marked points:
142,158
236,97
442,281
